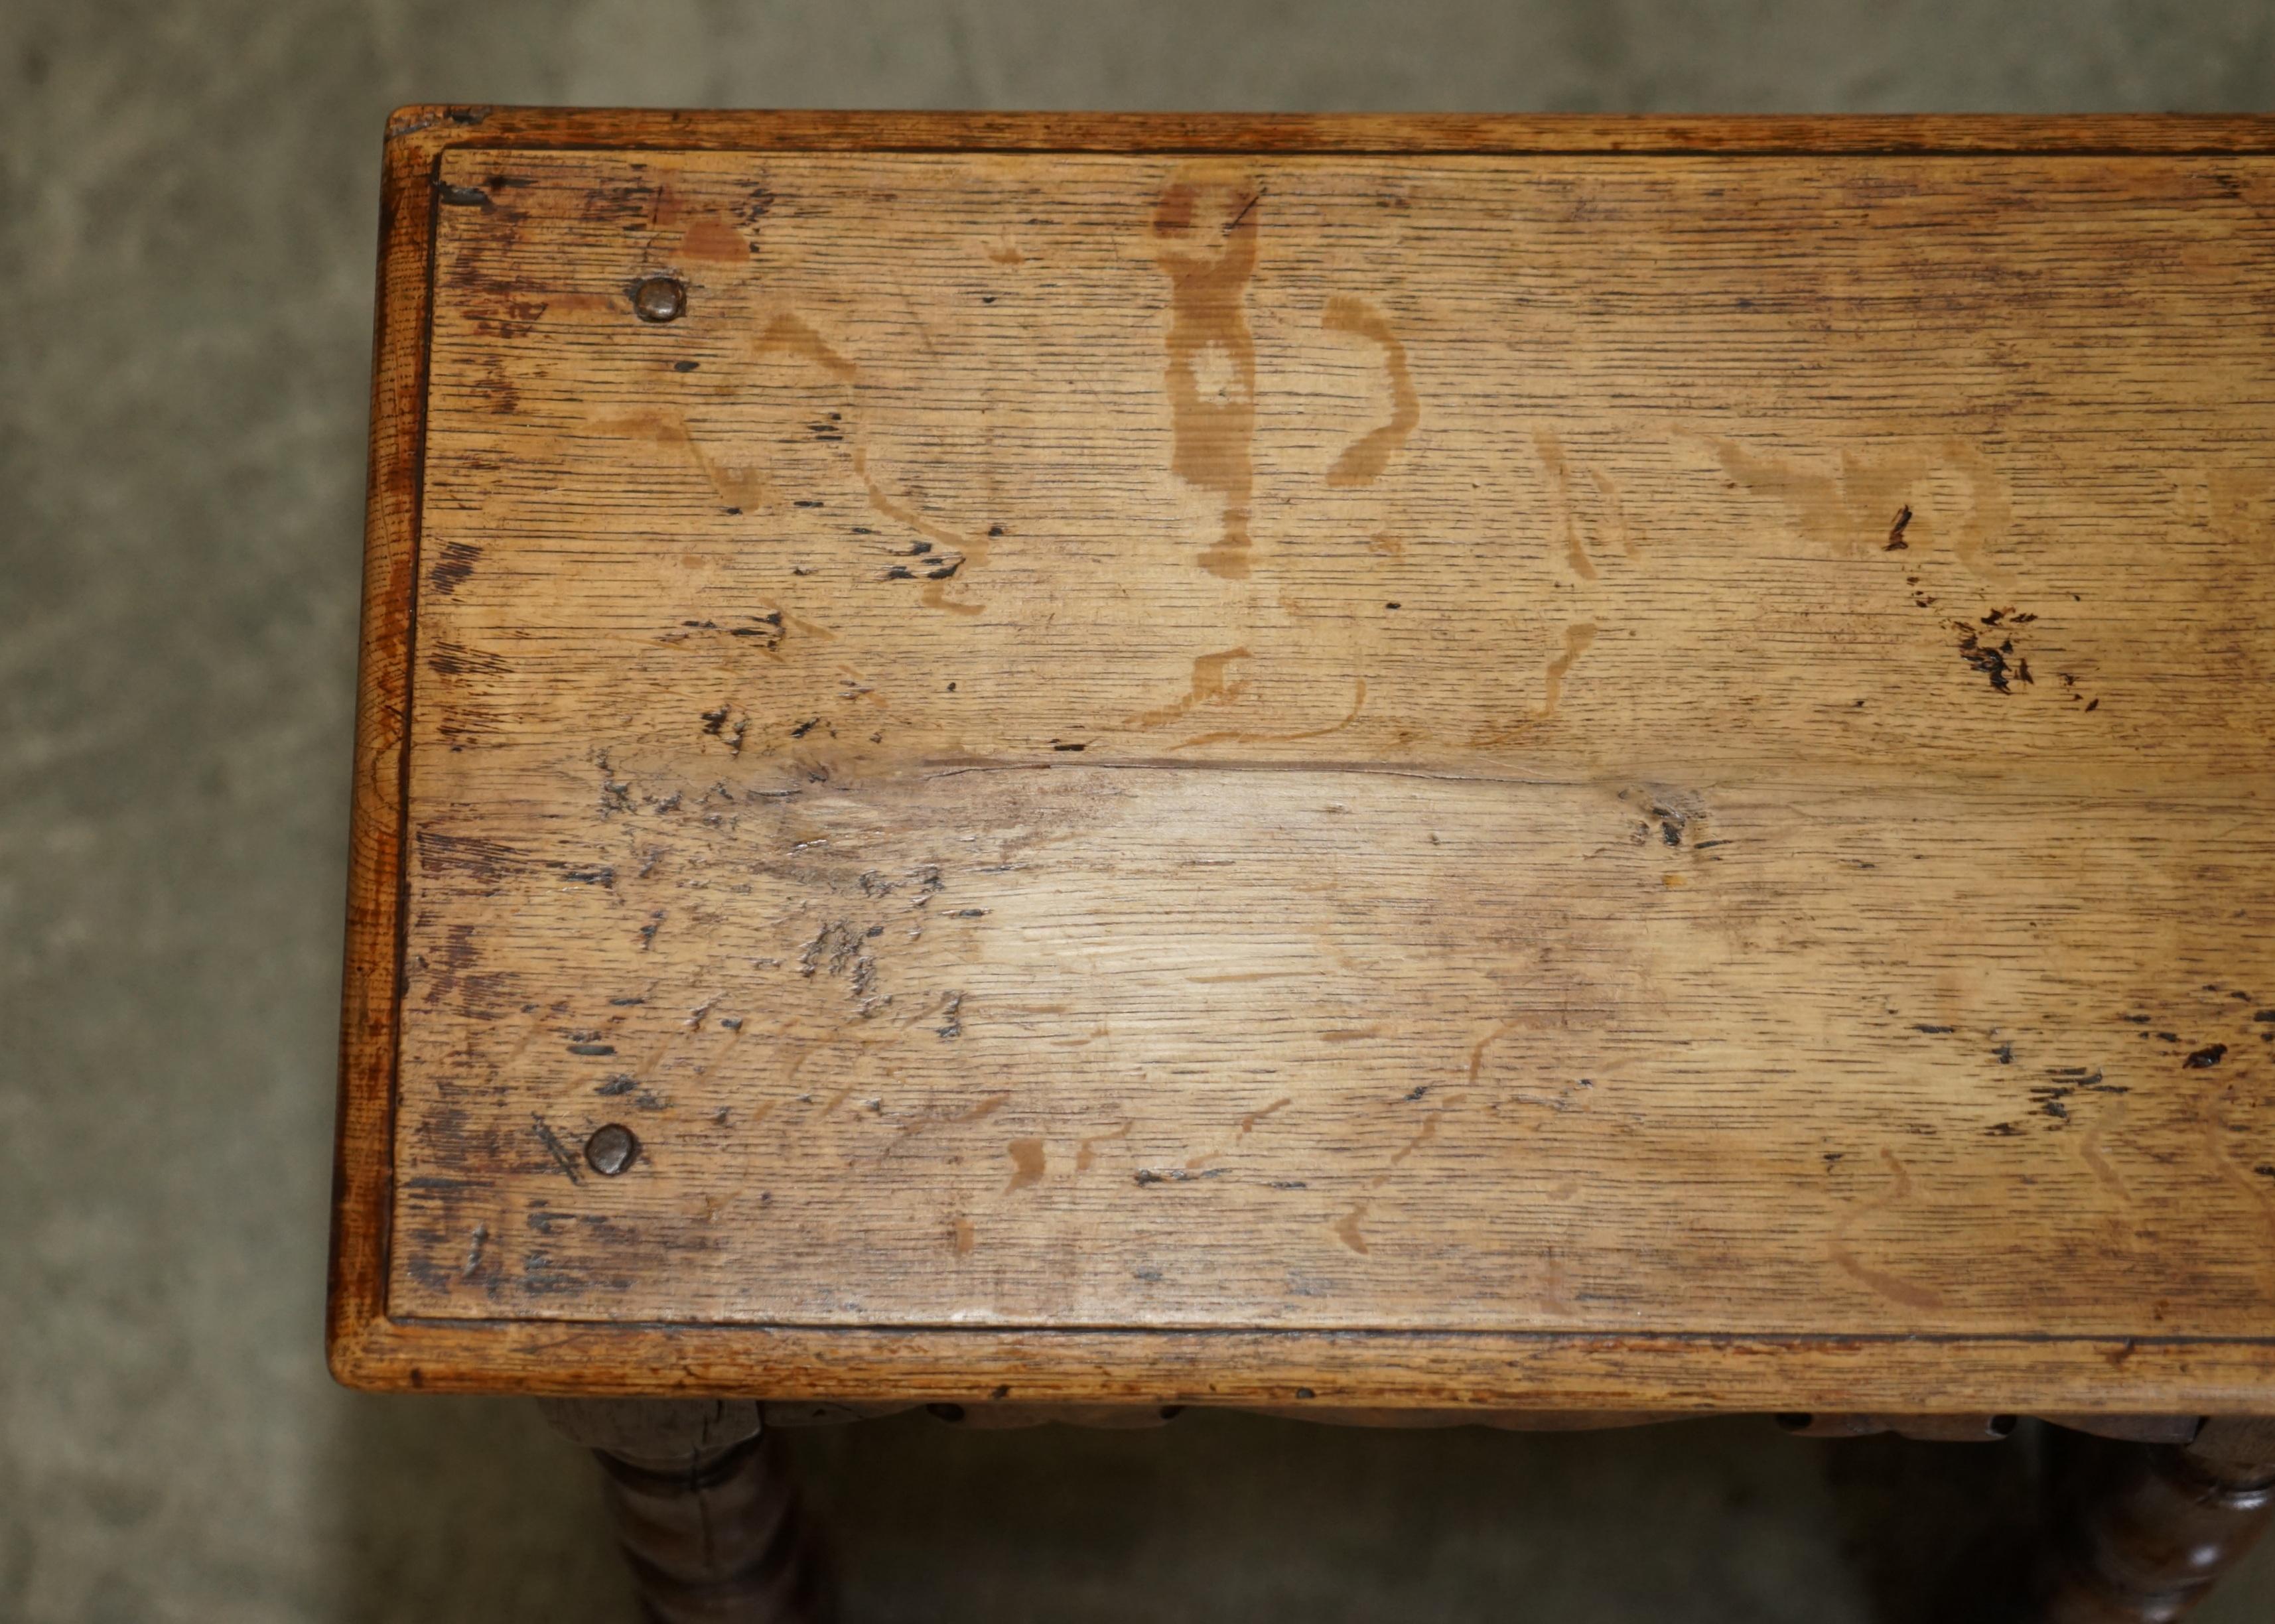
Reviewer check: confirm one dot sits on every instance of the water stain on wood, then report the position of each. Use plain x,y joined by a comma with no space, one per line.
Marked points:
714,241
1559,491
1205,230
1363,462
1891,1286
792,335
1027,1164
1577,639
1212,684
1086,1154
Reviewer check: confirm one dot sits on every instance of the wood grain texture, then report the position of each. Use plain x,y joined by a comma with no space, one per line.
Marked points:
1631,781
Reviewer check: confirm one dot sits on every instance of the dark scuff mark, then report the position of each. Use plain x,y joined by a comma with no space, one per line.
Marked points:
1896,542
456,660
2208,1056
1935,1028
591,1048
2052,1098
1990,661
491,862
623,1082
452,565
462,197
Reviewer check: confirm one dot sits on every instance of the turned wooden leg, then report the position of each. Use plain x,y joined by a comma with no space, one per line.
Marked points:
701,1506
2142,1531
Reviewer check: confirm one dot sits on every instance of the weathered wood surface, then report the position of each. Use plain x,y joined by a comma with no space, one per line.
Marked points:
1666,751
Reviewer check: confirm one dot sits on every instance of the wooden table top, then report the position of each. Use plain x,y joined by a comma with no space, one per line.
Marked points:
1516,762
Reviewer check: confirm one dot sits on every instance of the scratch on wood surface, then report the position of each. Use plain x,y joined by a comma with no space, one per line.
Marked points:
554,1148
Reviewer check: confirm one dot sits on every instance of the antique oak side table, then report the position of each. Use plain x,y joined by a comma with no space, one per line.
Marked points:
1540,771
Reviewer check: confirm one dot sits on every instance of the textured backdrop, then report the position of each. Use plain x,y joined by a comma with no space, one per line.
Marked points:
187,204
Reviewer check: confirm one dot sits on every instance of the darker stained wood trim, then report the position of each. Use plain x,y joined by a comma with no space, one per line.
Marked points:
435,128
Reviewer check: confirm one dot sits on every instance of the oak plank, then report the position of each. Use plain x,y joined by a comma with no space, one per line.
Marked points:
1551,747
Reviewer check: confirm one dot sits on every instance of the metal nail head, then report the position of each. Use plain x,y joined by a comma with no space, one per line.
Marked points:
611,1149
660,298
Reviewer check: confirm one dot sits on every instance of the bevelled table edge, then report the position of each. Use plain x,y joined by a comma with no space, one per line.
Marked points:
1674,1374
431,129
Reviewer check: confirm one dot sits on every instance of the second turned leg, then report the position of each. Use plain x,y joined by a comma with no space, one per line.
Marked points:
700,1504
2143,1531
